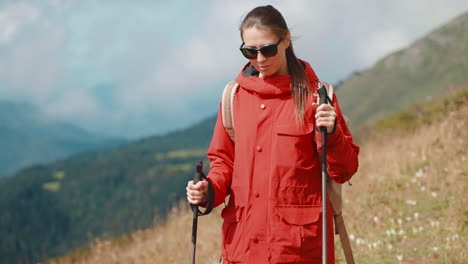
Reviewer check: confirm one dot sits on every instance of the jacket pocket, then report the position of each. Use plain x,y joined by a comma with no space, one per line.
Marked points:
299,214
292,129
293,143
294,156
295,236
232,234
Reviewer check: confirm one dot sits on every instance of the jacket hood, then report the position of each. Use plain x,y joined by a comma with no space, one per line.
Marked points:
278,84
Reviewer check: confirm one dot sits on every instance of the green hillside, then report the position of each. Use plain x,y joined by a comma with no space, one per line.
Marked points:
48,210
427,68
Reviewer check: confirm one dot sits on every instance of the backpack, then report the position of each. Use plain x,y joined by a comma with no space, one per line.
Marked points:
333,188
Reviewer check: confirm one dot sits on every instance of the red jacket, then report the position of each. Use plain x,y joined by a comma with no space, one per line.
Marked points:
272,174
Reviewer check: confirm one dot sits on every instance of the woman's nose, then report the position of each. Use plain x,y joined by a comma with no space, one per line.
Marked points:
260,57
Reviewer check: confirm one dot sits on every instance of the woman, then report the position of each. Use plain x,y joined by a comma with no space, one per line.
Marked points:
272,171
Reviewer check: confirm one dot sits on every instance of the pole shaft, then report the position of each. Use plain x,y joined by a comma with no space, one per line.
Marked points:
323,99
193,247
196,178
324,197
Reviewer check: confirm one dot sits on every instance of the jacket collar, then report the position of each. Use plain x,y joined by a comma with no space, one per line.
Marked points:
278,84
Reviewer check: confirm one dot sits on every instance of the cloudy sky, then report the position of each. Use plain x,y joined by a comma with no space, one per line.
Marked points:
135,68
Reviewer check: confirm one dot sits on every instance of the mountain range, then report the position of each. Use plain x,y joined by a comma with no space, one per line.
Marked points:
28,137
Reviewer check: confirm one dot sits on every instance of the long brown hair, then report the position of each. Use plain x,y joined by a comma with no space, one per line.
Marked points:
269,18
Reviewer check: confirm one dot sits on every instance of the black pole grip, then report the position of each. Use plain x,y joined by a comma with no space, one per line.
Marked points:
198,172
196,178
322,91
323,99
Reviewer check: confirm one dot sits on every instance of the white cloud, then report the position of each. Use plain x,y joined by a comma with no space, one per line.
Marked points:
63,6
13,16
74,102
34,65
193,67
166,58
379,44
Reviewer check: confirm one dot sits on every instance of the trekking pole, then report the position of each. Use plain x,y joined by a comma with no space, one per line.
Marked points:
196,178
322,91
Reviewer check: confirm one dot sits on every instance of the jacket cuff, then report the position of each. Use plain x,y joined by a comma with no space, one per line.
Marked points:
209,204
334,136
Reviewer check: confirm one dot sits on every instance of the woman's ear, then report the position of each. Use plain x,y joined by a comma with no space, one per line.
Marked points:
287,40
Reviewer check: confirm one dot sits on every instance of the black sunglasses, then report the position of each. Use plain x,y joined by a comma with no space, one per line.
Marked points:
269,50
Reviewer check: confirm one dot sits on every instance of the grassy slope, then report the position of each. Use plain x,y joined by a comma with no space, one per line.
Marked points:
426,68
407,201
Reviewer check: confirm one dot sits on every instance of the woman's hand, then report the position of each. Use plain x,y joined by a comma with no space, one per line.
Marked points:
325,116
197,193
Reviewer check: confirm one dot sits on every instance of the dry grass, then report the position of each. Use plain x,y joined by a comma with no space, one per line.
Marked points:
407,205
167,243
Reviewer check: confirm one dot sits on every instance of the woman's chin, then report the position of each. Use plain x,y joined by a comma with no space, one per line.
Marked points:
266,73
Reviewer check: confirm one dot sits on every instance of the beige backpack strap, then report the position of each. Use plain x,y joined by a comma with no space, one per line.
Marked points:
345,244
334,194
227,103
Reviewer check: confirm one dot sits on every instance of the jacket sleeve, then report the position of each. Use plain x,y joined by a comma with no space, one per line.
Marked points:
342,153
221,156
